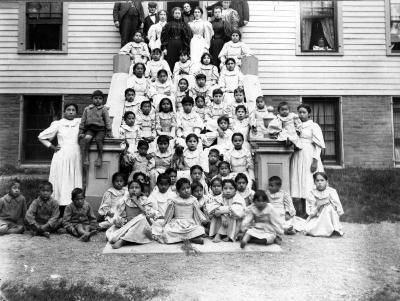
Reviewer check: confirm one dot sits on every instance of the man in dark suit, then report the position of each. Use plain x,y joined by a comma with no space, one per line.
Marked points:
128,16
151,19
241,6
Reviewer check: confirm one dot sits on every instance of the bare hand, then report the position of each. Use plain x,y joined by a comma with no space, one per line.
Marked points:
116,23
55,148
314,165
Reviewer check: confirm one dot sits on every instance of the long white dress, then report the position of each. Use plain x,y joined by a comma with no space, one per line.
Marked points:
200,42
66,167
154,35
301,177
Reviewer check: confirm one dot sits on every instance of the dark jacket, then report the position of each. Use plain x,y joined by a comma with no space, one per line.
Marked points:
147,24
121,8
241,6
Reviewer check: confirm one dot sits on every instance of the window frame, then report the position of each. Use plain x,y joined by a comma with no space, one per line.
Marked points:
339,24
22,32
339,127
387,25
394,100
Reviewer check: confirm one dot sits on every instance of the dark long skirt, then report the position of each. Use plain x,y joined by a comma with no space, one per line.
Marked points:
174,47
215,48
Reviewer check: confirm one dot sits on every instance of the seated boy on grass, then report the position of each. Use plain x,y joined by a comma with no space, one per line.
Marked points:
12,210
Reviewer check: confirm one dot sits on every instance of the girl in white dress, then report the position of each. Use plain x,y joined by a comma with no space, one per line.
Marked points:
231,78
209,70
161,88
235,49
66,167
138,82
306,161
324,209
202,33
156,64
155,30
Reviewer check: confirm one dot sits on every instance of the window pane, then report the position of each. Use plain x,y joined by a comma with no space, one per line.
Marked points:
396,127
325,113
318,26
395,25
39,113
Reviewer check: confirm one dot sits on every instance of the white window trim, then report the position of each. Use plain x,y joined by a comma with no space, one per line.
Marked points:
339,33
387,29
22,32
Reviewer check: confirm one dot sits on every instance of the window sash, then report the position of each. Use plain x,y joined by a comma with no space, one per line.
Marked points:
394,26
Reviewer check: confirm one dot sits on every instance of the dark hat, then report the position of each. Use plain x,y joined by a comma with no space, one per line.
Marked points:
152,4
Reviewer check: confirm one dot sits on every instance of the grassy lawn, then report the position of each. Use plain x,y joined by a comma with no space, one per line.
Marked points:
367,195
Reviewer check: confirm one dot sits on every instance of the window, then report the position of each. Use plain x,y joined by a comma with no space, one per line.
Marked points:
318,30
393,26
38,113
396,129
42,27
325,112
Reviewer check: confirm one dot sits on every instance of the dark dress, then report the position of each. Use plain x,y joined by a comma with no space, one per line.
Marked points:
218,40
175,37
129,16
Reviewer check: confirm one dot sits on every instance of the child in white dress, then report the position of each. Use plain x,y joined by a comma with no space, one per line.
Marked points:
139,83
166,119
231,78
235,49
243,188
182,91
241,124
209,70
161,88
197,175
156,64
132,103
200,88
162,158
137,49
324,209
146,122
200,108
183,68
261,112
188,121
240,99
215,110
129,132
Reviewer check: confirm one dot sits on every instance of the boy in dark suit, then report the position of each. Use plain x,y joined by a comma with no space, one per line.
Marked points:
151,19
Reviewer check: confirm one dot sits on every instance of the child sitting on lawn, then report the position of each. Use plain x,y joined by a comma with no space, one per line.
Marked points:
43,215
133,221
95,123
262,223
282,203
243,188
111,198
12,210
226,213
79,219
183,217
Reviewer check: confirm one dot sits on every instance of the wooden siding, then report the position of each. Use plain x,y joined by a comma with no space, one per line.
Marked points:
364,68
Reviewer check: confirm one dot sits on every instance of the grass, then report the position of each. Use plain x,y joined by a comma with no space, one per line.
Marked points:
367,195
60,290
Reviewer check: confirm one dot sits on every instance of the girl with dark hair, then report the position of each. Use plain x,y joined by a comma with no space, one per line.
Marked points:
235,49
175,37
66,166
138,82
161,88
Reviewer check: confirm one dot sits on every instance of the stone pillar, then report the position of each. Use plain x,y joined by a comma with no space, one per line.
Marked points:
271,158
99,178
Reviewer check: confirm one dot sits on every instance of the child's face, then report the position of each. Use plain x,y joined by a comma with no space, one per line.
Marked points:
303,114
216,188
218,98
173,176
201,82
273,187
156,56
237,142
284,111
182,85
143,150
130,96
200,103
152,10
224,170
137,37
196,175
217,13
197,193
15,190
240,114
260,103
163,186
183,58
79,200
70,113
230,65
260,203
187,108
163,146
130,120
163,16
119,183
206,60
185,191
320,183
139,71
135,189
141,179
163,78
192,144
213,158
97,100
239,97
235,37
241,185
45,192
228,190
166,106
146,108
223,124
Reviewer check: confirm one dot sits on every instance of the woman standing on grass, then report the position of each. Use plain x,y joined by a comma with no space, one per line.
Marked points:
66,167
306,161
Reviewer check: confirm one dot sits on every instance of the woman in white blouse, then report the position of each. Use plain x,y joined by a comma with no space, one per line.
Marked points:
155,30
66,167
